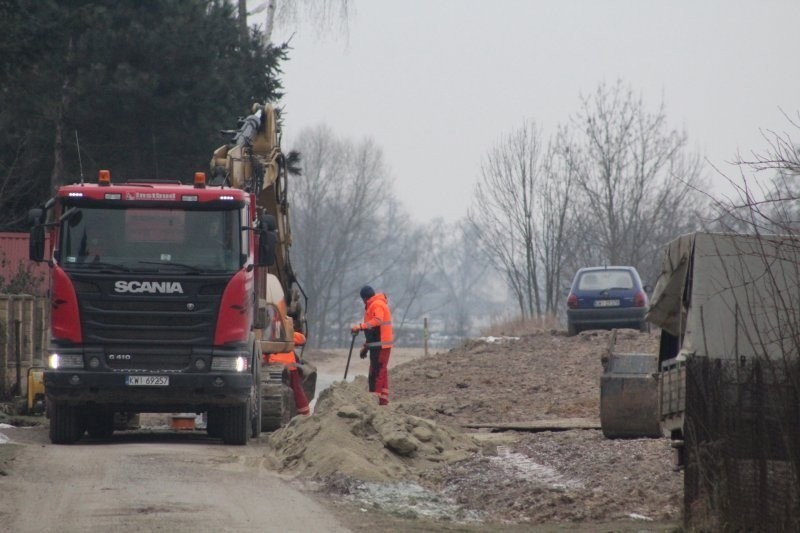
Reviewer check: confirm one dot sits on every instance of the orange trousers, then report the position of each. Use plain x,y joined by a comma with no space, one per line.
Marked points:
295,379
379,374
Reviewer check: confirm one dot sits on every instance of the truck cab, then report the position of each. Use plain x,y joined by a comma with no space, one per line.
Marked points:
152,289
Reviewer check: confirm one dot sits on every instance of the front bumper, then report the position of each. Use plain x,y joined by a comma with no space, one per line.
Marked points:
106,387
185,392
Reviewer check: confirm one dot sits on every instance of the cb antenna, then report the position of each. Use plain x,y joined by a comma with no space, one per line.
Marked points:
78,146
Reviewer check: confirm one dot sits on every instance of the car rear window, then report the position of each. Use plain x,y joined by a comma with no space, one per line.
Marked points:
605,279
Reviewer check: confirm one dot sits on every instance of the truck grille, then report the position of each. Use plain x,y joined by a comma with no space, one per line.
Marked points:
125,320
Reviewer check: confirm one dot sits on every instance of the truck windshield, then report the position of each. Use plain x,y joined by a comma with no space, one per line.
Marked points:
150,239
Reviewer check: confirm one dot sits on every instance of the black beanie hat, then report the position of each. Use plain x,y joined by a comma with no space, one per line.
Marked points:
366,292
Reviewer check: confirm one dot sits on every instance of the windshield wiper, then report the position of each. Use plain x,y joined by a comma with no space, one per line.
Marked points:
186,266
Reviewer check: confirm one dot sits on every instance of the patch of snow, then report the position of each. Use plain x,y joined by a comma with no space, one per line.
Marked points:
405,498
499,340
4,425
523,467
640,517
4,439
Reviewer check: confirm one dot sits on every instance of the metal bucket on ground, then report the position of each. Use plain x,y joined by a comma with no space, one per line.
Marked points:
629,396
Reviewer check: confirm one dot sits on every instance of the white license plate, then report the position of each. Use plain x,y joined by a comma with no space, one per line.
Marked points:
606,303
147,381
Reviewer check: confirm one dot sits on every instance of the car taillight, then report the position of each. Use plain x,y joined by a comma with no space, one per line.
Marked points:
572,301
639,299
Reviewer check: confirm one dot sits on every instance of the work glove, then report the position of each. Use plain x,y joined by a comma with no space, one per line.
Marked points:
363,353
355,328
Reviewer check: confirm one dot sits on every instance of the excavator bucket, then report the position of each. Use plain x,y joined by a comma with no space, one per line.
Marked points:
629,396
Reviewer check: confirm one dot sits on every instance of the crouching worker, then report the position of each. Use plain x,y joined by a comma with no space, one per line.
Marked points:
291,361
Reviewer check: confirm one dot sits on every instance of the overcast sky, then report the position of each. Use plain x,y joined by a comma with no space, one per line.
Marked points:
436,83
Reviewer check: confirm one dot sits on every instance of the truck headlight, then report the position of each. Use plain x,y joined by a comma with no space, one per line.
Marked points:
238,364
57,360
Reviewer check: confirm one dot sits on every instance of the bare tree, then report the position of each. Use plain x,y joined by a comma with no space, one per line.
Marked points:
459,276
343,215
503,213
638,181
557,215
323,15
764,197
14,191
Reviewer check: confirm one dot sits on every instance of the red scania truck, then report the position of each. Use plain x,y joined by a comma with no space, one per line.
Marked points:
165,296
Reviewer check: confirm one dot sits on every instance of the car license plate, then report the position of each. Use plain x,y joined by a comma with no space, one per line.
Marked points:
606,303
147,381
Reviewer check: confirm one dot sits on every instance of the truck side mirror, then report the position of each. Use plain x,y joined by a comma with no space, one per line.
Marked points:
35,216
36,243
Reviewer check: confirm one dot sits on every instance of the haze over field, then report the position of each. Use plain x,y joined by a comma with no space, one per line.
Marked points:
437,83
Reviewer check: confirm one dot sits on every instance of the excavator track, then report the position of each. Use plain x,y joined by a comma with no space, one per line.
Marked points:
277,400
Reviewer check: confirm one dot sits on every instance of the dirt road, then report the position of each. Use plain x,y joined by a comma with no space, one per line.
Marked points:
155,479
149,481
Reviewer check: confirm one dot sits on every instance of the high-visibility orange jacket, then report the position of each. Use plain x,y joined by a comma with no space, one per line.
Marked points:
377,323
284,358
288,358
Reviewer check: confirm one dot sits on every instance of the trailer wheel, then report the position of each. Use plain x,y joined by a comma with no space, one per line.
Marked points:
236,424
66,423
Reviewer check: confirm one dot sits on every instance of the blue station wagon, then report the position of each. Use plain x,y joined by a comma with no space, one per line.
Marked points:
606,298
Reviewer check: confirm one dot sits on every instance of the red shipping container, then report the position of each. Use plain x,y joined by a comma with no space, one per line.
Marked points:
14,259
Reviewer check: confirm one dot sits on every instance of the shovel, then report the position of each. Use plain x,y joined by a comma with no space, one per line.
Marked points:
349,355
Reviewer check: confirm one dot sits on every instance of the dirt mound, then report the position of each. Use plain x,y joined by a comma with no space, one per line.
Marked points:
350,435
393,459
539,376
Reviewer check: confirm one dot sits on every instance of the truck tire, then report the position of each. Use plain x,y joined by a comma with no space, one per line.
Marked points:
214,423
100,425
236,424
255,399
66,423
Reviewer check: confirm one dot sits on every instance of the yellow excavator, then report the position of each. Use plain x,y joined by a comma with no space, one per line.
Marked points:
254,162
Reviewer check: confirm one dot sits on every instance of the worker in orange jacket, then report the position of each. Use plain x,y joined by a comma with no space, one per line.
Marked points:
290,360
377,327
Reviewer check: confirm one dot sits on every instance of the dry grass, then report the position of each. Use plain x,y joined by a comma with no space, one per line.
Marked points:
516,327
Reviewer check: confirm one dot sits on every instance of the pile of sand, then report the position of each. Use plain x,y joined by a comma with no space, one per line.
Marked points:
350,435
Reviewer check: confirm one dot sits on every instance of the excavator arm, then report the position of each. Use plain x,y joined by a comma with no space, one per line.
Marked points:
254,162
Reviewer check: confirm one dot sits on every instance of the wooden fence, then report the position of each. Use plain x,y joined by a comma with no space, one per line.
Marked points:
23,340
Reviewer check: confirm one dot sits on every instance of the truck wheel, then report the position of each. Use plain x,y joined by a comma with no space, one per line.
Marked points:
255,399
100,425
236,424
66,423
214,423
